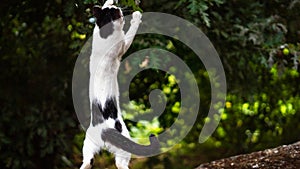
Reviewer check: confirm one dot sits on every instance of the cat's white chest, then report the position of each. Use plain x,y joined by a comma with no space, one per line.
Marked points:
104,66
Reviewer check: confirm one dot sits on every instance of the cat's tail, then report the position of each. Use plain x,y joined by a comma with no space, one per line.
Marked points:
117,139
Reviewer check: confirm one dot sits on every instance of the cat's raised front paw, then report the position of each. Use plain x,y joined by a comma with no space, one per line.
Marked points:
136,15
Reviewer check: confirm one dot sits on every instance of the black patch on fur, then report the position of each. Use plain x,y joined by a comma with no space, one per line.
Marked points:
97,117
110,109
92,161
99,114
104,19
118,126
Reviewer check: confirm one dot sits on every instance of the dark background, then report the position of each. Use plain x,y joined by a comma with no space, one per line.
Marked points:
40,42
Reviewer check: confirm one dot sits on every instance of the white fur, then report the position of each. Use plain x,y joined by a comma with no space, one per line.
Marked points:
104,65
108,3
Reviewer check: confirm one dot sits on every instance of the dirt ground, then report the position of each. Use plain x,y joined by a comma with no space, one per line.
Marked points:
283,157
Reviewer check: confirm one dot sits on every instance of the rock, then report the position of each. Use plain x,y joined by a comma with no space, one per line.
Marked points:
286,156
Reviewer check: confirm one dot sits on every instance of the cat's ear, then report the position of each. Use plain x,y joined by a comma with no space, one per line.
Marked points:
108,3
97,10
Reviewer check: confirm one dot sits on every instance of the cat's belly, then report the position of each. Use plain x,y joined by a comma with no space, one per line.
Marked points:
101,90
94,134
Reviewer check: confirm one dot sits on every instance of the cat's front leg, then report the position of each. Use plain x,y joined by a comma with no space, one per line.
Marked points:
136,18
134,25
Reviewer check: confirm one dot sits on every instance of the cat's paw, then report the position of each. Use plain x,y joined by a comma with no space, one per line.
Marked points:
137,15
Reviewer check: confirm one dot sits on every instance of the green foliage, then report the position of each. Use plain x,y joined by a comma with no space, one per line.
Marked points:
200,8
260,118
40,42
38,52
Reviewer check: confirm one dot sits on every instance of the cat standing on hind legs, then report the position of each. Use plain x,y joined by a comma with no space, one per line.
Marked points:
109,45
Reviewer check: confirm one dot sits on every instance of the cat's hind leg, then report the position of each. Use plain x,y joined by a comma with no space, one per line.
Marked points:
122,157
89,150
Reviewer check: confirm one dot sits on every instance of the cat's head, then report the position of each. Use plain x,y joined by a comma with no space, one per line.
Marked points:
109,18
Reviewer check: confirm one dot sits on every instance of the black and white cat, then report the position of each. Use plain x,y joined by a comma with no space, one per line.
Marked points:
107,128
